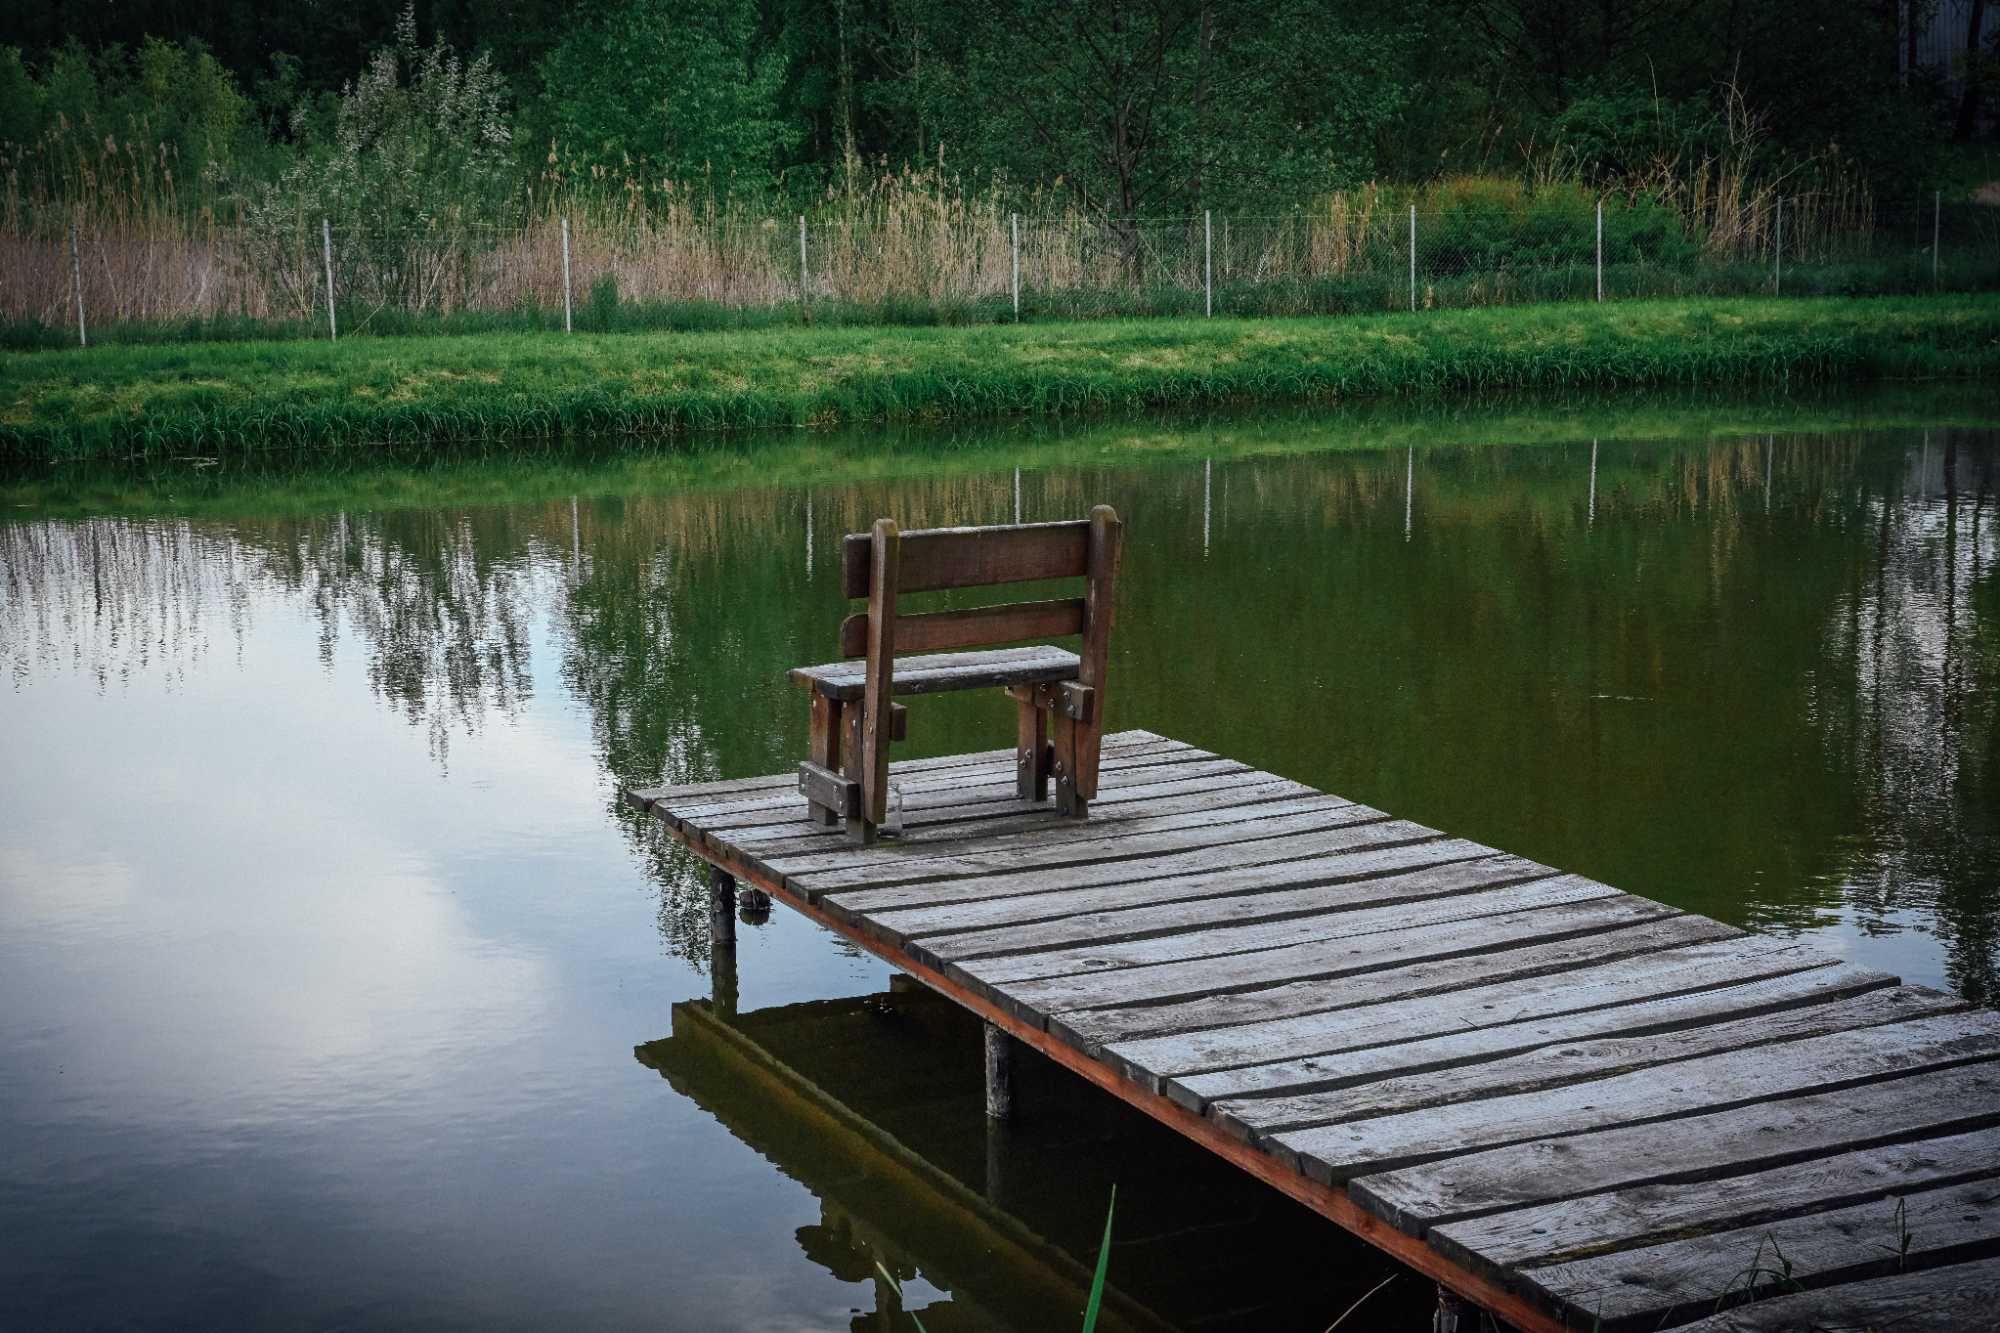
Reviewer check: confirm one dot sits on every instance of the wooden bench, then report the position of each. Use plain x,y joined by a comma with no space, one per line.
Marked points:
1058,694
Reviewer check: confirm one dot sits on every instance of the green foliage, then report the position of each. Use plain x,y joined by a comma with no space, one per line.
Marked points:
1168,105
1483,225
1151,107
1621,134
665,91
419,161
600,311
166,113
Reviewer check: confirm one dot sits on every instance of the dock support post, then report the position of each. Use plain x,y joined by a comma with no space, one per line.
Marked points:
721,907
996,1161
999,1074
1453,1314
722,940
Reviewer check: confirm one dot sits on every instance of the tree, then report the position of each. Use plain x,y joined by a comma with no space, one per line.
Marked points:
659,90
420,161
1141,106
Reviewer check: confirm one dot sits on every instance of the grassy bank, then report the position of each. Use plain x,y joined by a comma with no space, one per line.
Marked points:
313,481
227,398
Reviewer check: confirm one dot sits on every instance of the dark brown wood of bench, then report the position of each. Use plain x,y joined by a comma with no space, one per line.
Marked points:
1058,694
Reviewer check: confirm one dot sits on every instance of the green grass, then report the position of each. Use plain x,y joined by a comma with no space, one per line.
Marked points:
223,399
312,480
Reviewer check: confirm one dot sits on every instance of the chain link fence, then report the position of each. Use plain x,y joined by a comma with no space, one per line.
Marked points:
62,285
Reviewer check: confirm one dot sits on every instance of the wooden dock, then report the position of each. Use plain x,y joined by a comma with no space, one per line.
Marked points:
1575,1107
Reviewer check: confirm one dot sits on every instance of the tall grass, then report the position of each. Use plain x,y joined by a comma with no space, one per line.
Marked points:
225,399
161,261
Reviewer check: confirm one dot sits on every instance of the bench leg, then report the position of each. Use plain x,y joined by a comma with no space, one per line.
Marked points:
859,831
825,750
1070,801
1031,748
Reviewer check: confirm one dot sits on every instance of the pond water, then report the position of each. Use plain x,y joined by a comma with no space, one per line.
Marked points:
337,987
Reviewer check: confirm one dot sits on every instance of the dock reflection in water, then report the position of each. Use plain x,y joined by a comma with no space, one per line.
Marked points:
875,1105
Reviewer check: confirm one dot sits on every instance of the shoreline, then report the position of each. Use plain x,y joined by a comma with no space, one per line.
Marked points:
312,480
238,399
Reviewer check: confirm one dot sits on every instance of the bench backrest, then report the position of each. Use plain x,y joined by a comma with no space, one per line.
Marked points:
885,563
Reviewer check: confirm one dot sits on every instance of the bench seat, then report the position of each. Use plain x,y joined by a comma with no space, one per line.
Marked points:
935,673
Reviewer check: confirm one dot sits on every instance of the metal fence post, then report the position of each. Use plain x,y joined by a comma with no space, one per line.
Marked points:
1778,251
1207,264
802,257
76,281
1937,218
1413,259
326,242
1014,228
567,327
1600,250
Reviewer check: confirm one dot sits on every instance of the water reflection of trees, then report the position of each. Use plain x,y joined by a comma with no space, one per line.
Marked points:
115,599
1913,658
440,604
1755,677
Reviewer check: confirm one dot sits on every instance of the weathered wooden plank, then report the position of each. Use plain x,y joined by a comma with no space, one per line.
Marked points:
1277,1043
700,798
1089,1029
1709,1083
935,558
1259,800
1061,868
1361,1060
951,831
944,793
909,866
1676,1279
1194,940
830,790
1167,982
1030,922
1571,1062
939,631
1371,841
1706,1146
1954,1299
936,673
937,812
1635,1215
925,773
720,789
688,791
1051,867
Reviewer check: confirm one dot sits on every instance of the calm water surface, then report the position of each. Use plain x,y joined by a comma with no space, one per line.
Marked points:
336,988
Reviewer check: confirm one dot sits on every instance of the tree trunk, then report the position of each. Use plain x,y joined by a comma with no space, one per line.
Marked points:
1975,61
848,158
